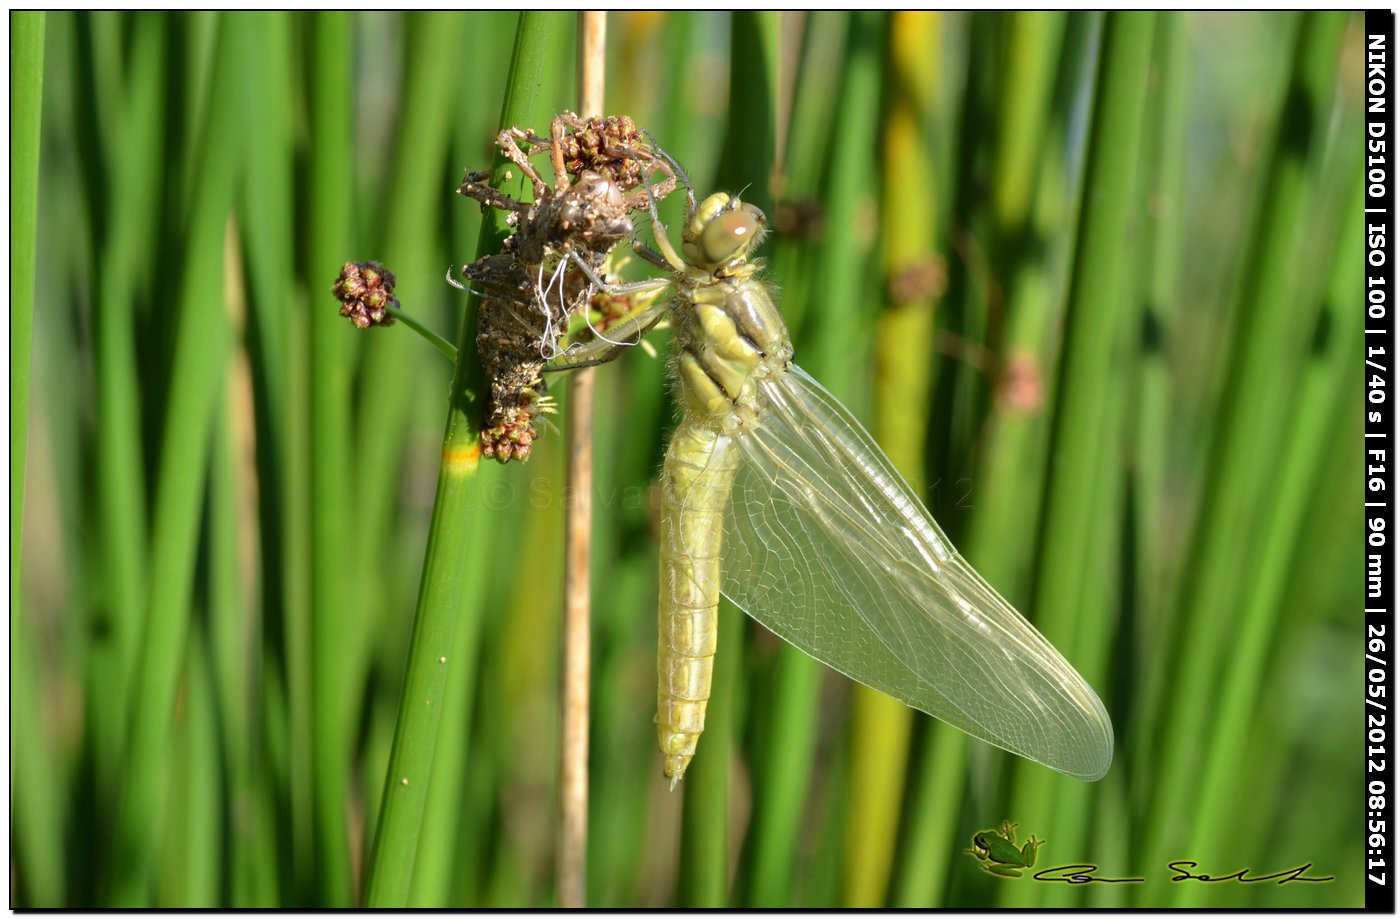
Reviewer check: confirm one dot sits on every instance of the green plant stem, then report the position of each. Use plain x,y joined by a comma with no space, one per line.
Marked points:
275,341
234,651
441,594
1249,423
1033,42
935,805
1010,477
443,873
1007,498
1325,383
782,777
881,727
412,246
200,352
1083,451
121,486
808,149
1145,543
437,341
435,870
337,610
36,823
910,210
189,869
840,277
26,97
748,138
134,177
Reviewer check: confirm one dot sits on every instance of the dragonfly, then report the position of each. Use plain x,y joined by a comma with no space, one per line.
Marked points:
774,495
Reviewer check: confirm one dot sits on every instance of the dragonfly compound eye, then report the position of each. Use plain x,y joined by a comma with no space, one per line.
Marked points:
731,234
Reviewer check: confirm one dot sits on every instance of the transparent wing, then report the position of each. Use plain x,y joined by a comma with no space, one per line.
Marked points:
827,546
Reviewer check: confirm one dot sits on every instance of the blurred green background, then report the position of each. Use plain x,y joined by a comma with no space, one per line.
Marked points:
1091,279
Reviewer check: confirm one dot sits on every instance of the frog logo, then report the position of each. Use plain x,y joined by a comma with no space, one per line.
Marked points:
996,850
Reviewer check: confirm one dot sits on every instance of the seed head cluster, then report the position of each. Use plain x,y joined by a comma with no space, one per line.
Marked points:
366,294
510,439
602,145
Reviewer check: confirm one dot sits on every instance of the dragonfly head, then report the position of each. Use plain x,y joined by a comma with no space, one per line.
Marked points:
722,231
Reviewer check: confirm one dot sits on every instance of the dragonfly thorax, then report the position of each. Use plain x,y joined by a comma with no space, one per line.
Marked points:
731,336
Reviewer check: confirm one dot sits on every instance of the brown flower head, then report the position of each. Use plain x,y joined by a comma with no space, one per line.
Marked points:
602,145
508,440
366,294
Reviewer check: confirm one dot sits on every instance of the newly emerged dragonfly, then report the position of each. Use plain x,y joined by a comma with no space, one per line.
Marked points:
775,495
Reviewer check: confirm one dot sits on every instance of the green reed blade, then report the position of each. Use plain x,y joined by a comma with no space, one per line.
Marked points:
136,180
189,875
201,347
276,343
38,855
409,245
1327,380
26,96
440,599
1159,339
337,610
881,726
1249,420
1080,488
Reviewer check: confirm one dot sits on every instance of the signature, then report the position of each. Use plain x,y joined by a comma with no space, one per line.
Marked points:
1243,876
1087,874
1080,874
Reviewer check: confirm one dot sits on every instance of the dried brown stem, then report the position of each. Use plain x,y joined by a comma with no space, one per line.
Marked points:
573,775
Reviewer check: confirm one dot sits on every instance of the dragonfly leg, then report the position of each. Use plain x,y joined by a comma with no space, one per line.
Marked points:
663,242
651,255
676,172
556,146
470,288
616,290
646,309
506,140
605,350
638,197
475,186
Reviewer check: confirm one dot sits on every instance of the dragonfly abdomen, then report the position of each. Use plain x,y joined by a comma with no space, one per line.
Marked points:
698,474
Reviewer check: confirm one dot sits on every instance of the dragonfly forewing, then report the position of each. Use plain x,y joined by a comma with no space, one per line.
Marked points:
827,546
